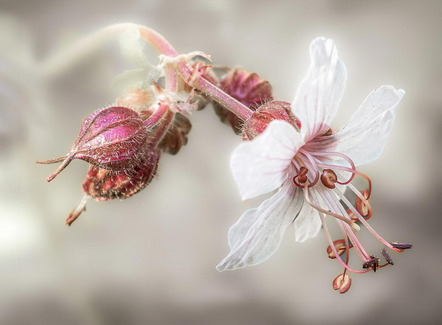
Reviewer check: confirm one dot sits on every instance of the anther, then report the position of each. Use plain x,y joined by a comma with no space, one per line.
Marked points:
401,245
387,256
342,282
329,132
373,262
362,207
301,178
329,178
352,216
340,248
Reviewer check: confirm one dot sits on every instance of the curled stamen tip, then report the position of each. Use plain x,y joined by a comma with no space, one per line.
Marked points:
342,282
329,178
401,245
302,177
387,256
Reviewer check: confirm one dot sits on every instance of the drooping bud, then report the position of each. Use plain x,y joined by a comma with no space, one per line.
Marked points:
177,134
342,282
248,88
103,184
110,138
270,111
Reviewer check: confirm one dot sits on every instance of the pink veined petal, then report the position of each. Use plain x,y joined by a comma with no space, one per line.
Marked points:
318,96
260,166
364,137
259,232
307,224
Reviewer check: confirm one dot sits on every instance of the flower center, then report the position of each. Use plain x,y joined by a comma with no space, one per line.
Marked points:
317,177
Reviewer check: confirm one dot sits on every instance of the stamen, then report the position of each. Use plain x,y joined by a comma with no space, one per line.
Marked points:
387,256
363,208
365,223
401,246
330,240
329,132
373,262
313,165
336,207
329,178
340,248
351,170
302,177
337,216
342,282
352,215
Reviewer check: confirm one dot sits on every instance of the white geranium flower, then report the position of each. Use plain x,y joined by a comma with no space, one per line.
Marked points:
304,166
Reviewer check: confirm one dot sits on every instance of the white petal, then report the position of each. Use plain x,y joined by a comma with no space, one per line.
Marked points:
307,224
318,95
364,137
260,166
259,232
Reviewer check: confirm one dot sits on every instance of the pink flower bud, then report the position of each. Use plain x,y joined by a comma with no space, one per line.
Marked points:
177,134
248,88
274,110
103,184
110,138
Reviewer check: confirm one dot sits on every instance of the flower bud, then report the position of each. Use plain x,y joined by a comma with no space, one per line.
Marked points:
110,138
177,134
248,88
270,111
104,184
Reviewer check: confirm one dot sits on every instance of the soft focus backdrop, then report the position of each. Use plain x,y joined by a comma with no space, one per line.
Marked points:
151,259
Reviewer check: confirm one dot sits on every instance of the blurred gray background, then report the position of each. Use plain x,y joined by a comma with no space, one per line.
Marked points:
151,259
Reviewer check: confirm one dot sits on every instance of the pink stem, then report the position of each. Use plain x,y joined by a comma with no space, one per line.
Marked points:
162,127
193,79
156,116
209,89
